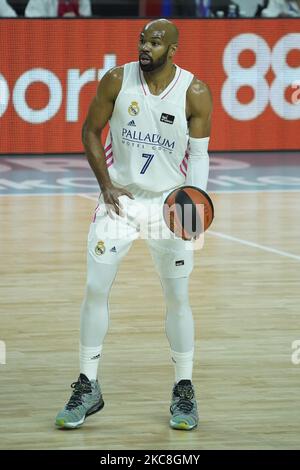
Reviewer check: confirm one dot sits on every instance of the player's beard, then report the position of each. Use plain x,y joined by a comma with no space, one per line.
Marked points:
152,66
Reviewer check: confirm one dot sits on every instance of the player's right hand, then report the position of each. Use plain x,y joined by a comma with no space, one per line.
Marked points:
111,199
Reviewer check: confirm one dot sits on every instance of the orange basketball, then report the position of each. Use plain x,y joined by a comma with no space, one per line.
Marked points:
188,211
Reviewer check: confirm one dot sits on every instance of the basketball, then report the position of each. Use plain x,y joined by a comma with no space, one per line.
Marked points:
188,211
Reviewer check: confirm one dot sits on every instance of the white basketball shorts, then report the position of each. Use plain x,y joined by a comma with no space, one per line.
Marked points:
109,239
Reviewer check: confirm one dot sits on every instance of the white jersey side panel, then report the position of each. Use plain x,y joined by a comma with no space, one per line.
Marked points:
148,135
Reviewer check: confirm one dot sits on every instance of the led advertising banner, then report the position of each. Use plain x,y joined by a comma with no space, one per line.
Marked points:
49,71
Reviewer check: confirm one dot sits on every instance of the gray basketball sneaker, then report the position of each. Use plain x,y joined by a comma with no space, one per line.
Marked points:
85,400
183,406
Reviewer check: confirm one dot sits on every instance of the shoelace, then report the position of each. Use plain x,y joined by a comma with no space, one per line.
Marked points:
76,398
185,395
184,405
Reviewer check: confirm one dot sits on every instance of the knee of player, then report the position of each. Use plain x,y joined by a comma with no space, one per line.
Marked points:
180,310
96,288
176,300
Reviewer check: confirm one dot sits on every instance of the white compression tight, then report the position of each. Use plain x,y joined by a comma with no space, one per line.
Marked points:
94,320
179,318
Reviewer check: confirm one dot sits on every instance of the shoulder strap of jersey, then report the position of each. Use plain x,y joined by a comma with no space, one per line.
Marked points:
130,70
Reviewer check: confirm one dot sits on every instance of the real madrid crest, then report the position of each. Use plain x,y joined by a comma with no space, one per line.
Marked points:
100,248
134,108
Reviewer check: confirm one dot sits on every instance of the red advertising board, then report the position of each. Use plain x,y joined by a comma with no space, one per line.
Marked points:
49,70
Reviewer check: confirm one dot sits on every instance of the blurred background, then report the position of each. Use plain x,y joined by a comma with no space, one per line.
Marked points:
165,8
247,51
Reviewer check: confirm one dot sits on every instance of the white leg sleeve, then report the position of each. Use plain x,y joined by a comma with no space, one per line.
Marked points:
94,317
179,319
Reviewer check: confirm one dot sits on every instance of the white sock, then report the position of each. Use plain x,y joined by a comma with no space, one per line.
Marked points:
183,363
89,360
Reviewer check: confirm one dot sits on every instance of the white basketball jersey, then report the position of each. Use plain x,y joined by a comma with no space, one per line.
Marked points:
147,142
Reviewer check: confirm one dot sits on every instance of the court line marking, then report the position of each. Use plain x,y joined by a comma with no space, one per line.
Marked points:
249,191
42,194
88,196
254,245
254,191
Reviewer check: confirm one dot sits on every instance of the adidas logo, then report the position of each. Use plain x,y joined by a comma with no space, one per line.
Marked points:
95,357
131,123
113,249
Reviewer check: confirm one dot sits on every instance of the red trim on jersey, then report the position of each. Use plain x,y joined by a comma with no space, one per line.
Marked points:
185,159
109,159
108,148
182,170
173,85
95,212
183,165
142,82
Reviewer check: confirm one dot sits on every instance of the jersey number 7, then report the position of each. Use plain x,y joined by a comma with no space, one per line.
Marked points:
149,158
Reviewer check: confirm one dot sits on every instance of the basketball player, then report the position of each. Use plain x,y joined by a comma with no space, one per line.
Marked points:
156,111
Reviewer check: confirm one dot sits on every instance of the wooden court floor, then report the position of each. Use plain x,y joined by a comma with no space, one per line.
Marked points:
245,297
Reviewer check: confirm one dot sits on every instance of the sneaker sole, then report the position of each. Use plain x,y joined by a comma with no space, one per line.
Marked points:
182,426
62,424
